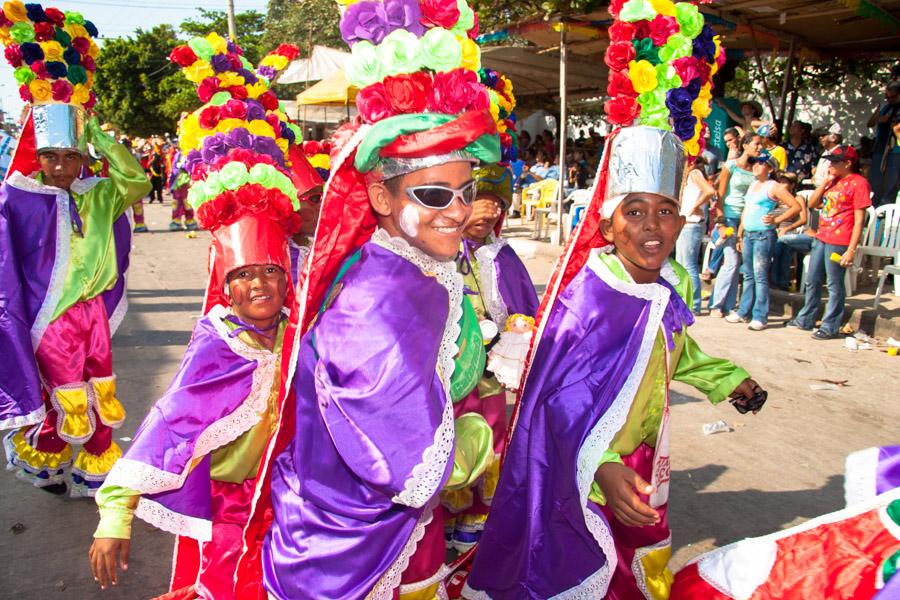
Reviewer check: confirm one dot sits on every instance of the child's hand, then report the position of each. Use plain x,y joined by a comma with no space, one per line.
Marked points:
103,555
621,486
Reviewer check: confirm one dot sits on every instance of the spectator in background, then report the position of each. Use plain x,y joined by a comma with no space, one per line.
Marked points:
771,141
749,120
829,141
732,138
549,146
890,166
524,141
578,171
713,157
545,168
800,151
695,195
846,197
793,237
884,115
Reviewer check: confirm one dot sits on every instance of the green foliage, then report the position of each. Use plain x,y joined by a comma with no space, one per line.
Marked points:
140,92
498,14
305,23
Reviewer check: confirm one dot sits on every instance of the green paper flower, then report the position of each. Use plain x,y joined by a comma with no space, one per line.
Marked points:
637,10
22,32
667,77
220,98
466,19
298,133
645,50
202,48
262,174
441,50
77,74
246,63
689,18
24,75
196,195
399,52
364,67
678,46
212,187
654,111
284,183
64,39
233,175
74,18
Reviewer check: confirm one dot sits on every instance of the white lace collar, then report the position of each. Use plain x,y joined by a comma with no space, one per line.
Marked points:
402,248
31,184
667,272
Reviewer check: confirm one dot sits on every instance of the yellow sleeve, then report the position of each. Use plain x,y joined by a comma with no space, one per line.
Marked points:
116,505
715,377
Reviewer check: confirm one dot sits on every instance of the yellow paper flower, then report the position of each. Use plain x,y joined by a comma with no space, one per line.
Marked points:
76,30
701,109
15,11
346,3
40,90
90,79
226,125
501,126
53,51
507,85
230,78
219,44
642,75
663,7
199,71
94,50
320,161
692,147
283,144
80,93
495,111
257,89
471,54
5,38
260,127
275,61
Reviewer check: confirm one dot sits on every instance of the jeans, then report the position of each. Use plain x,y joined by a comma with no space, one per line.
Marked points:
823,270
787,246
716,256
758,248
725,291
687,253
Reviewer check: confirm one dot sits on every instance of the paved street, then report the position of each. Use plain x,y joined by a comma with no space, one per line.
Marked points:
774,470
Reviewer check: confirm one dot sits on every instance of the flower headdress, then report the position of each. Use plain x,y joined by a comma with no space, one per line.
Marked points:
52,52
498,179
239,148
661,60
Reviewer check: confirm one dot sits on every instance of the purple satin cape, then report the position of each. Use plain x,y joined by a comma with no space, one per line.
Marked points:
543,537
205,407
514,284
369,401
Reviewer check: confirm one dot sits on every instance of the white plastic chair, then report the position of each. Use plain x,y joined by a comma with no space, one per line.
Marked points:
575,199
881,238
888,270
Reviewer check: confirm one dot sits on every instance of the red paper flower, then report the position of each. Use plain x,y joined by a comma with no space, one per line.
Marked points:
83,45
181,55
25,93
622,110
615,6
641,30
454,91
235,61
210,117
312,147
289,51
225,208
238,91
234,109
55,16
40,69
703,70
621,31
408,93
62,90
618,55
272,119
43,32
662,28
373,103
88,63
473,33
268,100
439,13
92,100
254,198
13,55
208,88
620,85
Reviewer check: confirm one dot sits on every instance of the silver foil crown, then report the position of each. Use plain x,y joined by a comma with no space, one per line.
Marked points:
58,126
388,168
645,159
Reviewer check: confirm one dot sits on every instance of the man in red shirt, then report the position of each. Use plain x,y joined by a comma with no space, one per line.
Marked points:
846,195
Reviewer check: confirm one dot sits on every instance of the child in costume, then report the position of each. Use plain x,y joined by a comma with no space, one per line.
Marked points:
179,182
501,292
388,339
309,184
64,243
850,553
584,484
193,463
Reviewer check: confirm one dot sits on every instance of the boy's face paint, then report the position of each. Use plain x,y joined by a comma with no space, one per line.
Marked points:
257,293
643,229
436,232
60,167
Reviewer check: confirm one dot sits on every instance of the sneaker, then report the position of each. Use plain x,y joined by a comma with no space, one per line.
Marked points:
715,312
140,229
820,334
756,326
795,323
174,226
734,317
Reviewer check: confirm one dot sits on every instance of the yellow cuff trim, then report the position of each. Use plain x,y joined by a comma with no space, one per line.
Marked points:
97,466
111,411
38,460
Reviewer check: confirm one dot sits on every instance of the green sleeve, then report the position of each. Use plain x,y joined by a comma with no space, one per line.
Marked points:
127,181
473,452
596,494
715,377
116,506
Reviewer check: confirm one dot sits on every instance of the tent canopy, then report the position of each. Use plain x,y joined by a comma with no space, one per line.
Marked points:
535,73
323,63
334,90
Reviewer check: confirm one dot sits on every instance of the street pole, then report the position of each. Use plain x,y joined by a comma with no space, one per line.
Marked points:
563,116
232,30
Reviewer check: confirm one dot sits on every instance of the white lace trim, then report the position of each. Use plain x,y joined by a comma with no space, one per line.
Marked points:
172,522
600,437
426,477
471,594
119,312
407,588
860,474
384,589
61,260
490,284
637,565
35,416
147,479
25,472
83,186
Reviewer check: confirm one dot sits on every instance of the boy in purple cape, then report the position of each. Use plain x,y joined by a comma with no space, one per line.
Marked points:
581,503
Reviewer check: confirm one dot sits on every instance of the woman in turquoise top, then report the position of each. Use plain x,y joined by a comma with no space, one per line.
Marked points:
757,239
736,177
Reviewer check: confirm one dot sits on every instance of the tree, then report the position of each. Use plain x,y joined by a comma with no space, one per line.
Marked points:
305,23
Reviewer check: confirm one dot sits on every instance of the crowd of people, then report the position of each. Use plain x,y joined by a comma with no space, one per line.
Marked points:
338,425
